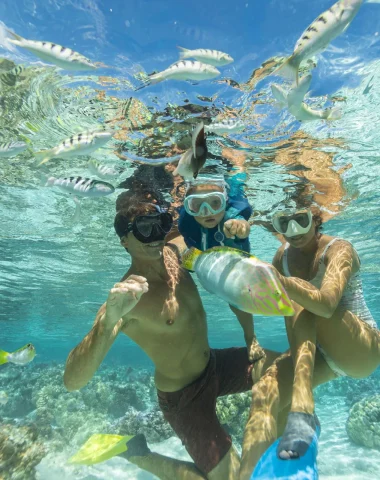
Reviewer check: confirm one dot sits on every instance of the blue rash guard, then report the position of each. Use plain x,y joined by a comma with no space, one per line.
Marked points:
203,238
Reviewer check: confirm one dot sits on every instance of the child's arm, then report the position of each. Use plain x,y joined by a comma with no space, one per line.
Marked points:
255,352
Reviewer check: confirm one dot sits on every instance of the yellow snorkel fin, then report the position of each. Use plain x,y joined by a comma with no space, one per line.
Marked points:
99,448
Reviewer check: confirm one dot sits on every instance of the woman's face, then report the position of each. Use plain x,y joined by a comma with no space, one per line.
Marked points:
301,241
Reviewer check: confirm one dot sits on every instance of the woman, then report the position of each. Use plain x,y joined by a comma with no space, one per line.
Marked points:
321,274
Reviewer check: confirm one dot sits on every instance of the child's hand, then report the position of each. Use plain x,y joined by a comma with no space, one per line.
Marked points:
236,228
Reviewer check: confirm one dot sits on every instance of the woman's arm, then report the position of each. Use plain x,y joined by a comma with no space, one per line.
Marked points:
341,260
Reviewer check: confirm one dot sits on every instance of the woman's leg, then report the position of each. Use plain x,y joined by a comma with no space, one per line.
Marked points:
271,399
350,343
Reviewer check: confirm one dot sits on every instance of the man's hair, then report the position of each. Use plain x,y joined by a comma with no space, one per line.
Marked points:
130,205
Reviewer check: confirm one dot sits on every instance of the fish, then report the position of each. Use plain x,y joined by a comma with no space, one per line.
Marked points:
183,70
240,279
155,162
12,149
9,78
80,144
212,57
318,35
306,114
83,187
3,398
22,356
102,171
63,57
192,161
293,101
229,125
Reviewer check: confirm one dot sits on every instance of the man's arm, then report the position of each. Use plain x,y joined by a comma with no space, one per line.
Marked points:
86,358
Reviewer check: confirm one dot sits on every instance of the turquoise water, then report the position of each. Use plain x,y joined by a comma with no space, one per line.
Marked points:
55,271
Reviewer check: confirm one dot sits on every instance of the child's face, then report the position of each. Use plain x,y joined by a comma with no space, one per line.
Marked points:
210,221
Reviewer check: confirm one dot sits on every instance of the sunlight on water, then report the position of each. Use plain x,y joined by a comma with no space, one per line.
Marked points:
57,265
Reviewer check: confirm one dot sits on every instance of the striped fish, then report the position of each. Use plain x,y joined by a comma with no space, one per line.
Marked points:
293,101
80,144
11,149
319,34
228,125
212,57
83,187
52,53
183,70
102,171
9,78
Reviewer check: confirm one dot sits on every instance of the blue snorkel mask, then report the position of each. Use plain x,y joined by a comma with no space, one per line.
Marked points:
208,203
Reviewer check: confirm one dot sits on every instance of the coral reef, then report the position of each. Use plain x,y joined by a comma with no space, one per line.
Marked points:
20,452
232,412
363,424
351,390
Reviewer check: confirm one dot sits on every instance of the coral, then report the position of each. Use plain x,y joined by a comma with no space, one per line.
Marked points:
20,452
232,411
151,423
363,424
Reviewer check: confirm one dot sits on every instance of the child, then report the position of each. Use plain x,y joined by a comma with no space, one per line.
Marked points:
210,218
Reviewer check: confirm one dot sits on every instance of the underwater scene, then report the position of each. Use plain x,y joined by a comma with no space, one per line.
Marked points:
189,242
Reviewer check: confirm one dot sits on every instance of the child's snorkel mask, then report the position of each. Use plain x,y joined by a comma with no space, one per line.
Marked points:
207,203
292,223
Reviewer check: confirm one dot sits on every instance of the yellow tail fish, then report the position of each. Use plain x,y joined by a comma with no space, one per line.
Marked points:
240,279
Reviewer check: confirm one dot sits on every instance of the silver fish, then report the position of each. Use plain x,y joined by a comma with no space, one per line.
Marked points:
10,77
12,148
319,34
83,187
22,356
102,171
184,70
155,162
293,101
80,144
194,158
212,57
63,57
228,125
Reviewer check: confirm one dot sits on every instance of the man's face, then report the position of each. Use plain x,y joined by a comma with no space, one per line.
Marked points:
143,251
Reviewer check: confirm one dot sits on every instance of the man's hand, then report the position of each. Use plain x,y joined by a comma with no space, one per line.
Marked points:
236,228
123,297
257,356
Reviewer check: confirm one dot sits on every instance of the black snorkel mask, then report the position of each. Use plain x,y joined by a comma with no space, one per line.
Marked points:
152,227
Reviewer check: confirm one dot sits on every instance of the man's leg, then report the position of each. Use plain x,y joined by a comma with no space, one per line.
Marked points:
163,467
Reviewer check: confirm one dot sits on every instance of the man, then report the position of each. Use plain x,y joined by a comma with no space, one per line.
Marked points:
169,324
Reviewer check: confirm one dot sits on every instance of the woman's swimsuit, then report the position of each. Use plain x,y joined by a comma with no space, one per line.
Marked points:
352,298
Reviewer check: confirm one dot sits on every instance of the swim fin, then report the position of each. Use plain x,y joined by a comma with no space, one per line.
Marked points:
3,357
272,467
99,448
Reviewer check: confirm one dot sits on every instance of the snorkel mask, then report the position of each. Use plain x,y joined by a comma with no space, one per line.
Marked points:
208,203
152,227
292,223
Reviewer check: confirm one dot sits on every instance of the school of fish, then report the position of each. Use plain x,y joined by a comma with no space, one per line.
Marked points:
193,65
